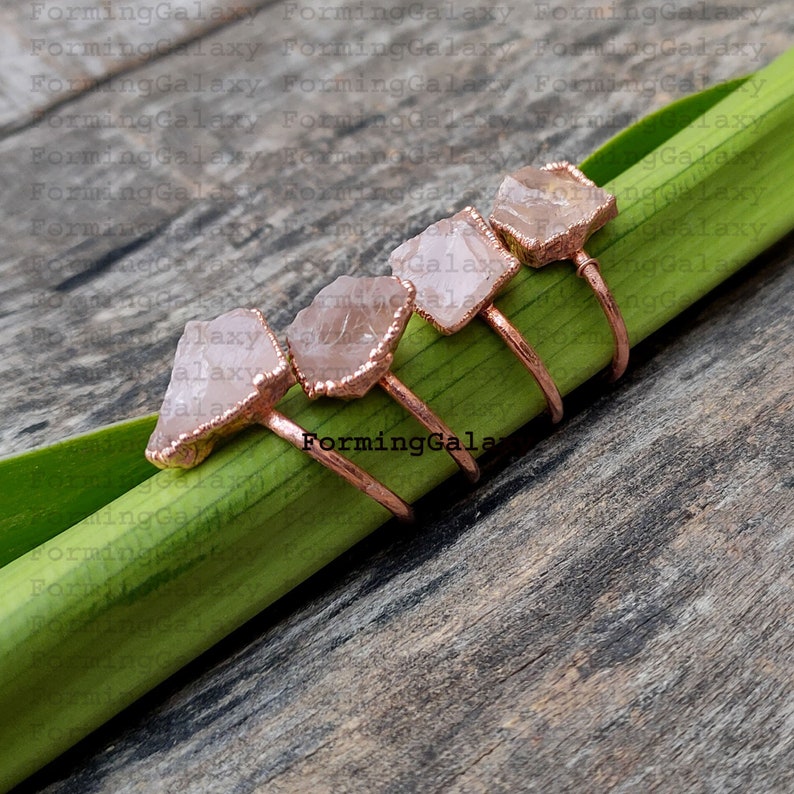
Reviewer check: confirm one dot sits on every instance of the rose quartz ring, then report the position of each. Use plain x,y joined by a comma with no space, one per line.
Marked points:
342,346
229,373
457,266
546,214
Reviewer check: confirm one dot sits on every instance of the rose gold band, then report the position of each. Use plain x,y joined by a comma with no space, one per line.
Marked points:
589,269
396,389
527,356
339,464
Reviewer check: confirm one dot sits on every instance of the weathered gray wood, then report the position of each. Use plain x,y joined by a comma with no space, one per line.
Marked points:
53,52
608,612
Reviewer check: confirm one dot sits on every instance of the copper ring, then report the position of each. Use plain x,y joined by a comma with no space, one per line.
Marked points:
525,213
470,245
398,391
365,315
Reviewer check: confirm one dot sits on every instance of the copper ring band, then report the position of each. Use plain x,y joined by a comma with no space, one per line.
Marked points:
396,389
527,356
339,464
589,269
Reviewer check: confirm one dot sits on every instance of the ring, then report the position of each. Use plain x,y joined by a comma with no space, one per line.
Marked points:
546,214
228,374
342,344
457,266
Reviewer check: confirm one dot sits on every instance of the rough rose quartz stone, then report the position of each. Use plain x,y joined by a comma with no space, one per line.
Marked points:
549,213
456,265
219,365
341,344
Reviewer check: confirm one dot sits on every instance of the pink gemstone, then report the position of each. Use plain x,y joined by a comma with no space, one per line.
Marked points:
457,266
548,214
222,370
341,344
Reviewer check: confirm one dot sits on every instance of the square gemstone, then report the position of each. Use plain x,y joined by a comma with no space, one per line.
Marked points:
457,266
546,214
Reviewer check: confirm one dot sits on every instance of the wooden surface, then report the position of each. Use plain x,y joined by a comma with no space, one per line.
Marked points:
611,608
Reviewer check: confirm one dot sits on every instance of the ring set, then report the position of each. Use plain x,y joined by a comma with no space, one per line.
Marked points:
230,372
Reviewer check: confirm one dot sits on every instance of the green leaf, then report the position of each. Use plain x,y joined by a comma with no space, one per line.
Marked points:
635,142
120,600
47,490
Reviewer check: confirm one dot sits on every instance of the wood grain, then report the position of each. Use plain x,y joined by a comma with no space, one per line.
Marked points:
54,52
608,611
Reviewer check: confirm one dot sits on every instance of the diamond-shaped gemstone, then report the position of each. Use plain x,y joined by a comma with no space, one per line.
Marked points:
547,214
457,266
341,343
221,369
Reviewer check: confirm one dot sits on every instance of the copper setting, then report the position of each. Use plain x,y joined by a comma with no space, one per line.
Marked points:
342,346
266,386
458,266
342,343
546,215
